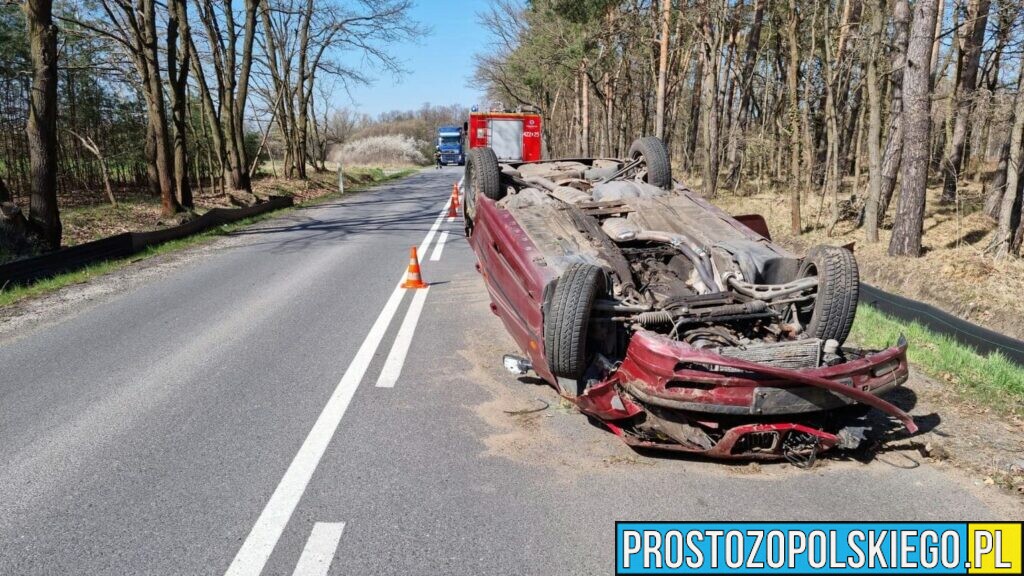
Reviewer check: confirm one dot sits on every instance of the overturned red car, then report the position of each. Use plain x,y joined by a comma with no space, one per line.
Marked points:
674,324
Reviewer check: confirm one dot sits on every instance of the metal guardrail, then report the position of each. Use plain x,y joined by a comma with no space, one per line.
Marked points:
982,340
74,258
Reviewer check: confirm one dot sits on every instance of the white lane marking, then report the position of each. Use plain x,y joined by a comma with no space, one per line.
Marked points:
319,551
260,543
396,358
439,246
433,229
263,537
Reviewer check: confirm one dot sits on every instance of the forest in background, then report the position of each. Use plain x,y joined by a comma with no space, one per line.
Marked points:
799,96
99,97
396,137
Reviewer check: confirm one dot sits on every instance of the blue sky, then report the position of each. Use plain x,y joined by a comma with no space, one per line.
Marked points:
440,65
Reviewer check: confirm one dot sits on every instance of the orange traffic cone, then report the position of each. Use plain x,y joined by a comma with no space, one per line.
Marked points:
453,205
412,277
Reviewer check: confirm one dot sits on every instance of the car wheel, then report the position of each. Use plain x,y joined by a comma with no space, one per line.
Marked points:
566,325
483,174
838,286
654,154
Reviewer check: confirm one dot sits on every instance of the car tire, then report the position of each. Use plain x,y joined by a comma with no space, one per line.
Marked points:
655,156
567,322
838,288
483,173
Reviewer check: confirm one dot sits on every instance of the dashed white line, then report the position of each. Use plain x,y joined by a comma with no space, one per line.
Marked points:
433,229
439,246
263,537
260,543
396,358
319,551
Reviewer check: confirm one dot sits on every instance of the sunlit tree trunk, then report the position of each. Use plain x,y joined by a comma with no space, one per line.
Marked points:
908,227
974,39
659,113
41,129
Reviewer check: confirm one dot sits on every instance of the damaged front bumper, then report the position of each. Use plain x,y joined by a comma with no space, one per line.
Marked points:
666,394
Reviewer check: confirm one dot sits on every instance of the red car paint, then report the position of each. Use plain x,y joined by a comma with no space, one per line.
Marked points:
517,277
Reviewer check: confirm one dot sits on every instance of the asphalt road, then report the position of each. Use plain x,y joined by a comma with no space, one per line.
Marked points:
223,415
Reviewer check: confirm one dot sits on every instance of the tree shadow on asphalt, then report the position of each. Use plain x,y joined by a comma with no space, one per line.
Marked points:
289,237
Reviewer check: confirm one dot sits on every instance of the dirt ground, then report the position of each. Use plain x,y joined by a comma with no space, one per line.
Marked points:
91,217
959,433
954,274
531,422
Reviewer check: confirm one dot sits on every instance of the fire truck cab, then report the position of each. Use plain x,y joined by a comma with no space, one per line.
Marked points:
514,136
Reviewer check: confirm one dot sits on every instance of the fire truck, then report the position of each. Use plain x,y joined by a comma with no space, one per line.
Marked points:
514,136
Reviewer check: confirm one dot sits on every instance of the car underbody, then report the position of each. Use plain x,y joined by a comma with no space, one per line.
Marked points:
674,324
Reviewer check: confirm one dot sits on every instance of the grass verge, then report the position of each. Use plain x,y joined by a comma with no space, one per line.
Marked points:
11,295
991,380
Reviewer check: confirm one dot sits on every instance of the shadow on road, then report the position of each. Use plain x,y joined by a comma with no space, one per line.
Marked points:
389,212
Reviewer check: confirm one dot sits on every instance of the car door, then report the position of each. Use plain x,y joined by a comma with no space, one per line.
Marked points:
514,279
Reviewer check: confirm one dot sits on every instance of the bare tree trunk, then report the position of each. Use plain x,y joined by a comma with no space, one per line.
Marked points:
695,105
906,233
712,48
847,102
237,96
178,35
5,194
967,79
92,147
152,174
263,140
1009,212
659,114
874,127
893,156
299,107
44,219
210,119
232,71
806,128
14,229
738,147
995,186
792,78
585,109
1018,237
937,42
148,65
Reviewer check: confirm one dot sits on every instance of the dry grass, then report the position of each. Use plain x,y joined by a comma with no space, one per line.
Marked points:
954,274
139,213
100,219
132,214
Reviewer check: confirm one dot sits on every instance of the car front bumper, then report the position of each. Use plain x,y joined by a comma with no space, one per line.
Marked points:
750,409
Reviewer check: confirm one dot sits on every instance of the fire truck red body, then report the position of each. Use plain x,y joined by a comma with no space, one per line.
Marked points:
514,136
